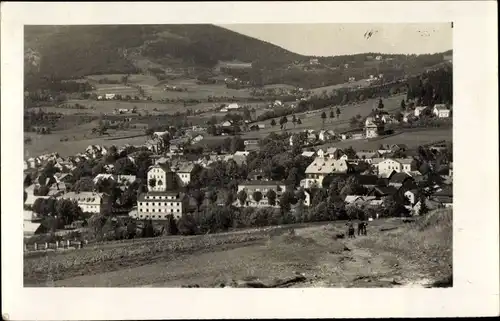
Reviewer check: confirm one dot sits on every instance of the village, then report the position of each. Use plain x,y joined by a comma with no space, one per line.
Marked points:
163,180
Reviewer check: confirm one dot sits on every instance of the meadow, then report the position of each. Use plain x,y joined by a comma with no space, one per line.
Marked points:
393,254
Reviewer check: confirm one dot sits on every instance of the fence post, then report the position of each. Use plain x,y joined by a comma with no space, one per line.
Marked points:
36,246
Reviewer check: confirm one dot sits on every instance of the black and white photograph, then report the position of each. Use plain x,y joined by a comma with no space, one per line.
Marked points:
154,150
240,155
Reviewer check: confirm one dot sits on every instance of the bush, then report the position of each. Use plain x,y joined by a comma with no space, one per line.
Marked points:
187,225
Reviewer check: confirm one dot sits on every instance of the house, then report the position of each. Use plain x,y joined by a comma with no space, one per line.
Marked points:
95,151
126,179
326,135
389,119
431,205
232,106
357,200
100,177
368,181
373,127
441,111
159,135
320,167
385,166
413,196
252,141
407,116
32,225
227,123
335,153
383,191
109,96
224,110
197,138
183,171
158,205
367,156
250,187
261,126
89,202
444,196
161,178
378,58
419,110
399,179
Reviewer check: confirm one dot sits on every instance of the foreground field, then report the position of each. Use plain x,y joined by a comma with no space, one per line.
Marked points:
393,254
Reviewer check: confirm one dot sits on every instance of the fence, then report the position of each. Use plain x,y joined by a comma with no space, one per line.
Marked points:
58,245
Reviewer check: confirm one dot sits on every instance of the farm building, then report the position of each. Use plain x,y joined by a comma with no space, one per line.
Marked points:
441,111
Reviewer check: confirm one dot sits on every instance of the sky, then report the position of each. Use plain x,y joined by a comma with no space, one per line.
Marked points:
343,39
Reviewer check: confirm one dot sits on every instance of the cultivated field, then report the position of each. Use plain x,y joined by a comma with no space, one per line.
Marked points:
154,88
393,254
320,90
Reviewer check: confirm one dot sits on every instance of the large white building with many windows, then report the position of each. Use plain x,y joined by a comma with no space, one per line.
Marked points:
158,205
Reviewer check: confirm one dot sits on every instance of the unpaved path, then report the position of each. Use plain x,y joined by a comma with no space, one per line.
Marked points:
311,251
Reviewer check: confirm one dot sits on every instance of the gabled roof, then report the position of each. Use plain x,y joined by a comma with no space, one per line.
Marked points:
399,177
326,165
384,190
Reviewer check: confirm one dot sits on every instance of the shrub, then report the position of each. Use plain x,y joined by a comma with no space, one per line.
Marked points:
187,225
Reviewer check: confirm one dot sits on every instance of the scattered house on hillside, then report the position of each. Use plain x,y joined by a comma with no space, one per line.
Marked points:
408,116
223,110
158,205
126,179
89,202
385,166
441,111
322,166
109,96
197,138
308,154
159,135
263,187
232,106
419,110
378,58
373,127
95,151
261,126
326,135
227,123
389,119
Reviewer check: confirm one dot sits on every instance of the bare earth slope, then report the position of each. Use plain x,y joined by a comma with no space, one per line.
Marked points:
393,254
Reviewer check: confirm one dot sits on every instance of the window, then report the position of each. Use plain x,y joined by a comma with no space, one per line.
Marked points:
171,210
178,210
141,216
154,216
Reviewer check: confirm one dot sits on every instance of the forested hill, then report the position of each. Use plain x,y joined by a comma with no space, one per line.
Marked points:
75,51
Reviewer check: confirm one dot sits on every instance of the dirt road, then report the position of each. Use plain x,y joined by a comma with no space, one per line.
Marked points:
312,251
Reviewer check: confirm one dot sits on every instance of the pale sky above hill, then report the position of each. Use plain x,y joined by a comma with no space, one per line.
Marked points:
341,39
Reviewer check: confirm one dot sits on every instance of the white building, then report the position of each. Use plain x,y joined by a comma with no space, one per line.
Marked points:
419,110
183,171
385,166
90,202
373,128
321,167
263,187
441,111
158,205
157,177
109,96
232,106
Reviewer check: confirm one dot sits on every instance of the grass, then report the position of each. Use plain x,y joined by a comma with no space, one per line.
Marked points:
376,260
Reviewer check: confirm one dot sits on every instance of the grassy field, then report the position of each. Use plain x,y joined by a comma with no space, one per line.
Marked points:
314,121
320,90
413,138
79,138
154,88
393,254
